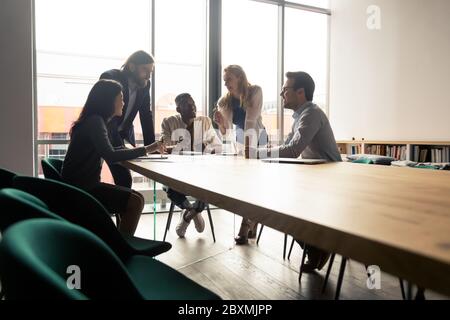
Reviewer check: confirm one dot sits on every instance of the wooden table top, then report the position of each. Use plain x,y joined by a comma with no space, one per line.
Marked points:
396,218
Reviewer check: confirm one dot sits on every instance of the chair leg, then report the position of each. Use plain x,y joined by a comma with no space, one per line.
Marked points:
402,288
330,265
290,249
285,245
409,290
302,264
340,278
169,220
420,295
259,234
211,222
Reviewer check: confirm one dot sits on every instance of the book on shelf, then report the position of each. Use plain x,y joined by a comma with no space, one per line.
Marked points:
434,154
397,152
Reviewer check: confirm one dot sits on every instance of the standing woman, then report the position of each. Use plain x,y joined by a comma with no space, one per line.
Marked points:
90,145
242,107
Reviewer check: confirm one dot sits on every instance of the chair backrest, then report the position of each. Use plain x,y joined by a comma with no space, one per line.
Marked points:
77,206
50,259
52,168
6,178
17,206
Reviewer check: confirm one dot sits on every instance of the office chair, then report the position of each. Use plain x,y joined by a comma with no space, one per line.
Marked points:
39,259
6,178
52,168
79,207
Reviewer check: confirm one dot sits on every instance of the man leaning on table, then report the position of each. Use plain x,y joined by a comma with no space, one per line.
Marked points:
311,137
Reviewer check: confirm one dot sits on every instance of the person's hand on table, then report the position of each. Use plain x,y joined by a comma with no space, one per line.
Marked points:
157,146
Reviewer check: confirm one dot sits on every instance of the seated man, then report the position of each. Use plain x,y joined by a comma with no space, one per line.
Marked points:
187,132
311,137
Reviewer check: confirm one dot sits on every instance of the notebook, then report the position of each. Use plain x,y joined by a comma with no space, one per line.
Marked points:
294,161
153,157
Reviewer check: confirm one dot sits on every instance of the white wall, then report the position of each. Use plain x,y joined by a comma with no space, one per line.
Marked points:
393,83
16,86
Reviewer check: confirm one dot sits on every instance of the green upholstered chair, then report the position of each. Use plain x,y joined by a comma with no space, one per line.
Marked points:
79,207
36,256
17,206
6,178
52,168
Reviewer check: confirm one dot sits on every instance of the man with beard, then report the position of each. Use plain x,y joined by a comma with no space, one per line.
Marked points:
134,76
311,137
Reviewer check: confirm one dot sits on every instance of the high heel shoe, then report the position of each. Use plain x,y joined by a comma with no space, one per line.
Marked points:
247,231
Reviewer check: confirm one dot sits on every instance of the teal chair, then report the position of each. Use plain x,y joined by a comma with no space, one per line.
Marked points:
79,207
36,256
51,168
6,178
17,206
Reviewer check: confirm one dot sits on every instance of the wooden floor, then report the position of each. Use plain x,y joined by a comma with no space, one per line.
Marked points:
256,271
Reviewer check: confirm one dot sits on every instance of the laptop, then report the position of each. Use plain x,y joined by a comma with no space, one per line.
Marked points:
295,161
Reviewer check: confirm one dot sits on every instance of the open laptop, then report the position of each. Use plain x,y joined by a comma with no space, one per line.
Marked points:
295,161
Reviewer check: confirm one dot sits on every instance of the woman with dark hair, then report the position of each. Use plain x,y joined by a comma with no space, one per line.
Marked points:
90,145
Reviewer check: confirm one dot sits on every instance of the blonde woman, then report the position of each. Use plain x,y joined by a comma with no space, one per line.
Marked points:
241,106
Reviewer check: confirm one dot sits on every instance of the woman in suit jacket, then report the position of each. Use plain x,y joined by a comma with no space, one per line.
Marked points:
90,145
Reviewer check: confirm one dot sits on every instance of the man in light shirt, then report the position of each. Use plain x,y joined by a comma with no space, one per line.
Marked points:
187,132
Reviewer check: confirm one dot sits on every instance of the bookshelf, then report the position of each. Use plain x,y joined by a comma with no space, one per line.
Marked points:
417,151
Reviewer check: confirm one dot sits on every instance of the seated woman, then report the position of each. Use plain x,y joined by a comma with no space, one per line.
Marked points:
90,145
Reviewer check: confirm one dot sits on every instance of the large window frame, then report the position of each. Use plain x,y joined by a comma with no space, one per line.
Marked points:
213,75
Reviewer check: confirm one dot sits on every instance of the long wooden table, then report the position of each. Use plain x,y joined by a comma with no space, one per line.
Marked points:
396,218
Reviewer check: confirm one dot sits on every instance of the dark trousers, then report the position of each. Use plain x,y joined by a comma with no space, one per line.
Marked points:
181,201
121,175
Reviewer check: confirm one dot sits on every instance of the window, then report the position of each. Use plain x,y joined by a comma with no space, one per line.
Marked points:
180,51
314,3
255,48
249,39
73,47
306,49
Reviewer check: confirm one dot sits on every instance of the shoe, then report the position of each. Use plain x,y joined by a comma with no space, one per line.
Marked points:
182,225
324,257
309,267
199,222
316,259
242,237
253,232
241,240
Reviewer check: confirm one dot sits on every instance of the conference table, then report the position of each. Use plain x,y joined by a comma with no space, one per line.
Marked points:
395,218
